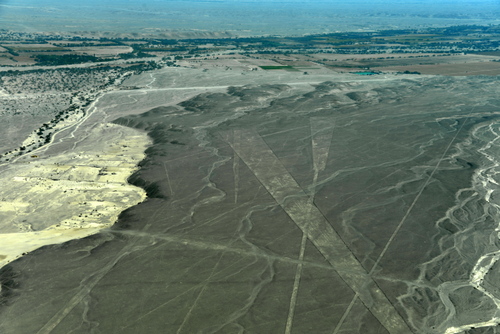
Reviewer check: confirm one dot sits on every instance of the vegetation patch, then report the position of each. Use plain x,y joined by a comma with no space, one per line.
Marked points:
286,68
65,59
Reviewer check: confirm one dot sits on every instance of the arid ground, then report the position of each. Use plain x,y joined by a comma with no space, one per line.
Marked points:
276,202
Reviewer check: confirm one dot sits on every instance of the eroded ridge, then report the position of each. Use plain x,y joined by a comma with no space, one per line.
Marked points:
255,153
50,200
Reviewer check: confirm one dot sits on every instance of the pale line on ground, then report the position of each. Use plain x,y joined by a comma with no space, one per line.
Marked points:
188,315
242,85
78,297
236,172
346,313
289,195
202,245
416,198
205,284
295,290
320,150
168,179
404,218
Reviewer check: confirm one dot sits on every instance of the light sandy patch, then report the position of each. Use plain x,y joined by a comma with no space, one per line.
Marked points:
33,46
50,200
4,61
15,244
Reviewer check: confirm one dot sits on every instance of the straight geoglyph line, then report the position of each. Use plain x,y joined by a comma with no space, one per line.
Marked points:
321,136
269,170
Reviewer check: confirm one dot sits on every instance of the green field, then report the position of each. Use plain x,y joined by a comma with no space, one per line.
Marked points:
286,68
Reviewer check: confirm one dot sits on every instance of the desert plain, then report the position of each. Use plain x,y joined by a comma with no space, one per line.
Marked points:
253,193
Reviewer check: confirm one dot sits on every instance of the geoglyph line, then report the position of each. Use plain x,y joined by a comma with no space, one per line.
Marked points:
264,164
295,289
321,136
396,230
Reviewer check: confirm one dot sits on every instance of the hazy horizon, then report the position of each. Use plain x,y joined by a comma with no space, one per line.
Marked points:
241,18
